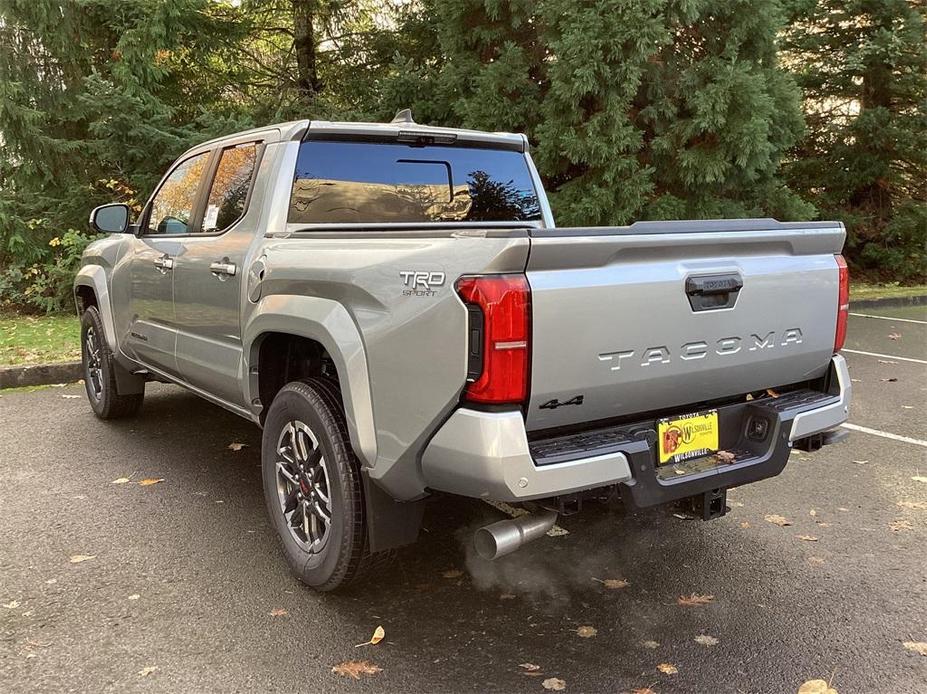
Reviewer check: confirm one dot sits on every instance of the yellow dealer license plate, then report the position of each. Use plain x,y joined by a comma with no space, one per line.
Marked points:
691,436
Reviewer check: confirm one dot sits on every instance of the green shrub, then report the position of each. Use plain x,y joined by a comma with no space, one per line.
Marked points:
43,285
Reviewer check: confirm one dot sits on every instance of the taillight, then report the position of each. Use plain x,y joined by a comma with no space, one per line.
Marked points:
843,303
499,354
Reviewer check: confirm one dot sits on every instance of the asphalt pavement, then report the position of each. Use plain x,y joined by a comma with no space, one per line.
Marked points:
185,589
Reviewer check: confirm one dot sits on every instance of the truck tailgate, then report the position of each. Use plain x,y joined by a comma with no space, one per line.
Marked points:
660,315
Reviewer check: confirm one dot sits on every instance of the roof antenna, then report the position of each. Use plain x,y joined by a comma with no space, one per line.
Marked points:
403,116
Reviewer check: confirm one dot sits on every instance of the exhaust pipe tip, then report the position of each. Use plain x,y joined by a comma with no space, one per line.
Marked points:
505,536
485,543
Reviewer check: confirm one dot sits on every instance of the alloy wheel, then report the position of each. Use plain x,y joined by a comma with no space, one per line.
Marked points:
303,488
94,367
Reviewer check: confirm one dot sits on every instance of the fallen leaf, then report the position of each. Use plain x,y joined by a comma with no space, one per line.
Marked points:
150,481
586,632
812,513
356,668
745,524
919,647
815,560
147,670
554,684
378,635
706,640
237,446
613,583
643,690
914,505
530,667
694,600
816,687
120,480
777,520
668,669
278,612
452,573
78,558
725,456
650,644
807,538
771,393
11,605
894,336
900,524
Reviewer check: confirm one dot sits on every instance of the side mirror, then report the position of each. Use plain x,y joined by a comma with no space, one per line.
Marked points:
110,219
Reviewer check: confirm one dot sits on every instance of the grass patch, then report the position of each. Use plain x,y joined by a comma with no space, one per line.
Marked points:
39,339
893,290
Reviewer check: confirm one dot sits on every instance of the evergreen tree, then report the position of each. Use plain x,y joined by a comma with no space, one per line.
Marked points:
863,67
96,98
648,109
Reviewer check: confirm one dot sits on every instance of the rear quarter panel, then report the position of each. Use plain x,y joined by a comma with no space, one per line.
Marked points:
415,341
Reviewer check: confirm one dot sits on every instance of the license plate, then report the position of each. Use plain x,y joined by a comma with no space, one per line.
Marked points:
687,437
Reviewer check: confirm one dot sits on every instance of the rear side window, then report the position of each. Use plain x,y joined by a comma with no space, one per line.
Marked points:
365,182
230,186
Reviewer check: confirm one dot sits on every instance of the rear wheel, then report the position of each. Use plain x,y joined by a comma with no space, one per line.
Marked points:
312,485
100,372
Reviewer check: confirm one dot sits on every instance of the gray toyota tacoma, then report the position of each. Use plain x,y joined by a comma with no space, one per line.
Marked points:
394,306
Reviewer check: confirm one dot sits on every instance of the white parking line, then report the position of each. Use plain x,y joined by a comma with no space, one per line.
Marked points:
898,320
884,434
884,356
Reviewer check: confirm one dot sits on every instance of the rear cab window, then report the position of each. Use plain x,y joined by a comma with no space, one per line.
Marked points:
384,182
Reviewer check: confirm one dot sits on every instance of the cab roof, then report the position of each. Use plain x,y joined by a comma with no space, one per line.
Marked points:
402,129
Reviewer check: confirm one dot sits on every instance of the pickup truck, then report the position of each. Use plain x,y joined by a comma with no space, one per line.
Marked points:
393,304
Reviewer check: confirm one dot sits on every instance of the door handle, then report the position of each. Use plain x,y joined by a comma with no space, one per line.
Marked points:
223,267
164,263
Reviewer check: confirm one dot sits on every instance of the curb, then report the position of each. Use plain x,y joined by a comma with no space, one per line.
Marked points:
890,301
40,374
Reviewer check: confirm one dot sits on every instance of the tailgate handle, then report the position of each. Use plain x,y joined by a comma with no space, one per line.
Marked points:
710,292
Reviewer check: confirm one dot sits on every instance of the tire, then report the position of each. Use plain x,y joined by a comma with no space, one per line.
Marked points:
100,371
306,425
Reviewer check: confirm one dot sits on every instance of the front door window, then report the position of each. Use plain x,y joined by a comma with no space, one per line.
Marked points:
172,207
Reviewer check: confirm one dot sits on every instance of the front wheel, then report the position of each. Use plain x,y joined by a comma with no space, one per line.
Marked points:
312,485
100,371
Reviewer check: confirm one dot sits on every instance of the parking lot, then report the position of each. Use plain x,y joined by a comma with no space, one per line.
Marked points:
179,586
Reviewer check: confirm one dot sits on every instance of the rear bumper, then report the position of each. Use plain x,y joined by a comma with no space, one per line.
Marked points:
487,454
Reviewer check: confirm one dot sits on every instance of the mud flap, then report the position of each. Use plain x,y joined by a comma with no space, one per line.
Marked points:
390,523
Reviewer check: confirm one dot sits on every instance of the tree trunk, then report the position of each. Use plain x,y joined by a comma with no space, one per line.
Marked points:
307,76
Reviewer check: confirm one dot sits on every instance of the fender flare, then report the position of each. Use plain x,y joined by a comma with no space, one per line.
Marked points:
94,276
328,323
